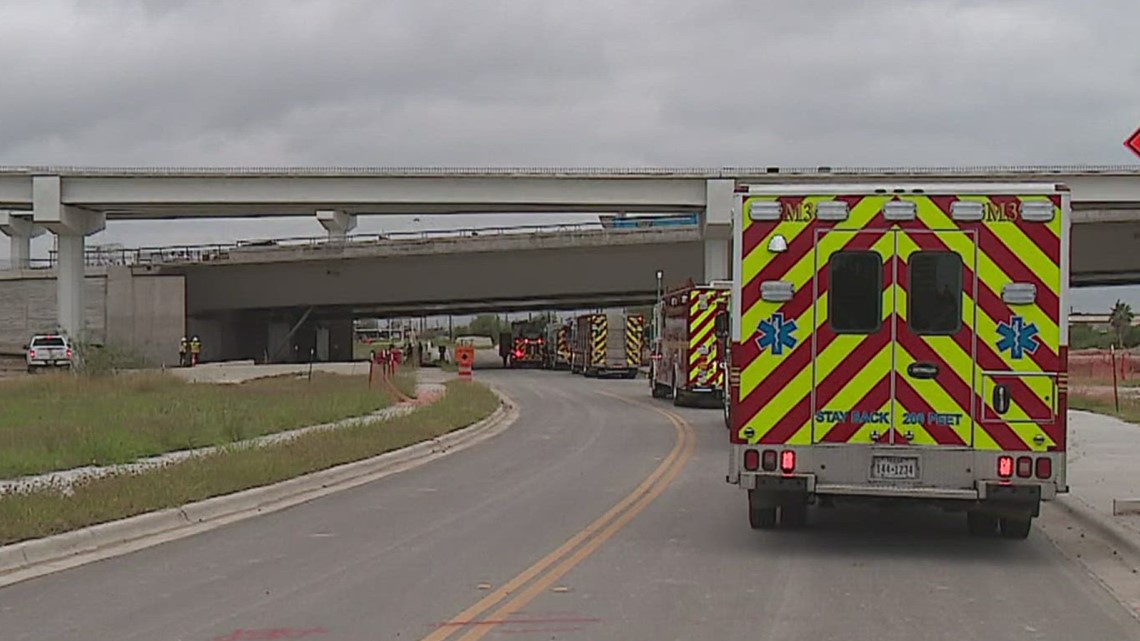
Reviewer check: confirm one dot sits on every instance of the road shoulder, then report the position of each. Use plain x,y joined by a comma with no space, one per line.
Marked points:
1088,525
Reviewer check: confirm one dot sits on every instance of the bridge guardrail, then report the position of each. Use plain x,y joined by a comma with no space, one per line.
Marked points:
209,252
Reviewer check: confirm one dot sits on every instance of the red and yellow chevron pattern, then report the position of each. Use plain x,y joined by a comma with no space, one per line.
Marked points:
634,339
704,369
599,325
801,382
563,343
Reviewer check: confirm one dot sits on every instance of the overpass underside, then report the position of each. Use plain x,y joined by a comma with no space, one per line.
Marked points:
287,311
248,309
1106,248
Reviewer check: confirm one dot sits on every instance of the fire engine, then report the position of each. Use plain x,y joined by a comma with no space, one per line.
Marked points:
607,343
686,362
900,342
522,346
556,353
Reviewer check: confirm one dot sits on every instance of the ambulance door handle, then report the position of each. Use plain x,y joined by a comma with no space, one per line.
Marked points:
922,370
1001,398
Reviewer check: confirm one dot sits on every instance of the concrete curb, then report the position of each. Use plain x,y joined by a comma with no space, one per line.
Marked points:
1118,535
29,559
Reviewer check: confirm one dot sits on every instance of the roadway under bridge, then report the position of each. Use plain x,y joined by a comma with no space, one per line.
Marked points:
278,303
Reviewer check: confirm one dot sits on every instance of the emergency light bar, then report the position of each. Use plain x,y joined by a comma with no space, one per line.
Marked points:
1038,211
764,210
899,210
966,210
831,210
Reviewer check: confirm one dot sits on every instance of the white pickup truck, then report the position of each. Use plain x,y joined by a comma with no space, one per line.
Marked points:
48,350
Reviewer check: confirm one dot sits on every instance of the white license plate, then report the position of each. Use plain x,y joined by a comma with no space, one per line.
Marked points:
894,467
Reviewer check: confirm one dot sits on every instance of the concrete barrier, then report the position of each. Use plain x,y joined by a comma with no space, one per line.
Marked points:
1121,507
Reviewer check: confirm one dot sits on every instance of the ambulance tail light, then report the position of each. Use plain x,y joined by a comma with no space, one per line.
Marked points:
787,461
751,460
1005,466
769,461
1024,467
1044,467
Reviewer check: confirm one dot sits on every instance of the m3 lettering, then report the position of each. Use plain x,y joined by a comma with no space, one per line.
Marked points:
1001,212
801,212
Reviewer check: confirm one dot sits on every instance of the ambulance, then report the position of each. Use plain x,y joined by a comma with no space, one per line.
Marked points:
900,342
686,363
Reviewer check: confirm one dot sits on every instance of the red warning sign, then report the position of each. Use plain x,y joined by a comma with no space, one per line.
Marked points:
1133,142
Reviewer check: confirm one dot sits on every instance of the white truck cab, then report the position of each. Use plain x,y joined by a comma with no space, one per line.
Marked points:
48,350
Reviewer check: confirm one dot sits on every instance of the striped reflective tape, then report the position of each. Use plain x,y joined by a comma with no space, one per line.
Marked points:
850,371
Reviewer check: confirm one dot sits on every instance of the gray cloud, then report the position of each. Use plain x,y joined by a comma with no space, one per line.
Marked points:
590,82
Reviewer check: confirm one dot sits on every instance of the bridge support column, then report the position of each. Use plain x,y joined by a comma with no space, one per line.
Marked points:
20,231
716,258
716,228
337,223
71,226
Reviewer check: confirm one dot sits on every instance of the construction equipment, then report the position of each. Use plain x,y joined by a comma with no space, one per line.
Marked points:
900,342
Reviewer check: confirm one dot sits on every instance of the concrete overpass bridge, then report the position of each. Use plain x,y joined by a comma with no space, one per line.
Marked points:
75,202
245,300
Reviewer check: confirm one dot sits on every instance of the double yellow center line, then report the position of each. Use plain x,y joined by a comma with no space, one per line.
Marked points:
536,579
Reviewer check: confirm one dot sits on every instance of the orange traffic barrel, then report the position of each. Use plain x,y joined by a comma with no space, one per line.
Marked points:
465,358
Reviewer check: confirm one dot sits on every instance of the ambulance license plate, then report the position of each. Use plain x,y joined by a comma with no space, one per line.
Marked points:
894,467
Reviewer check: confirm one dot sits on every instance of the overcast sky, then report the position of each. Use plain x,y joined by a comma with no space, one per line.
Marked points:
583,83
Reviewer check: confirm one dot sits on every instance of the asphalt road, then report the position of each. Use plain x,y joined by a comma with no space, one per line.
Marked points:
472,546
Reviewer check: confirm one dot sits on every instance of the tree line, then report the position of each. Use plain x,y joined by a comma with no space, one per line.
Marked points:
1120,332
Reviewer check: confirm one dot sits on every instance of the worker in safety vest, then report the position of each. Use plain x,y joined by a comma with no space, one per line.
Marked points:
195,350
183,352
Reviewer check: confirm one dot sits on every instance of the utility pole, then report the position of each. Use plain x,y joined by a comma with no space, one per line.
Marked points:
660,295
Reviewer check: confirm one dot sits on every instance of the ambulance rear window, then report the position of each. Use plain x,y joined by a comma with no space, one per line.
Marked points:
855,292
934,297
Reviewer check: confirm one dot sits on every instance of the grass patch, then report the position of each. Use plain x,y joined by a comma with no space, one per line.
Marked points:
406,383
1129,406
45,512
61,422
363,351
